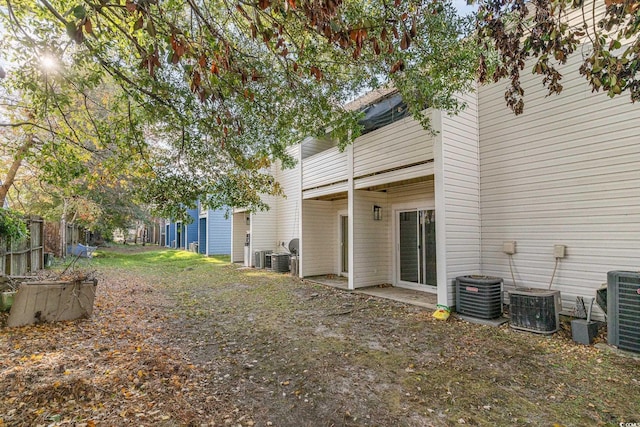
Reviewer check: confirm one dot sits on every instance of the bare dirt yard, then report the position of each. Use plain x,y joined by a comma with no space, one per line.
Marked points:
177,339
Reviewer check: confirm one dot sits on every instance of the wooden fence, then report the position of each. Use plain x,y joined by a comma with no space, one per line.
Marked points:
73,235
52,243
19,257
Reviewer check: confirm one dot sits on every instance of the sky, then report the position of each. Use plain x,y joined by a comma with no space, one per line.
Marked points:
463,8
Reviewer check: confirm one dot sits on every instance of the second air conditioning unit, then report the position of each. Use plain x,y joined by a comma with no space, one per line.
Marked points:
535,310
623,309
280,262
261,258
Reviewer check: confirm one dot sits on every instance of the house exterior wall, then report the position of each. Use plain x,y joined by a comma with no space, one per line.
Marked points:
414,193
371,244
320,237
218,233
172,236
564,172
191,229
288,208
239,229
461,182
263,228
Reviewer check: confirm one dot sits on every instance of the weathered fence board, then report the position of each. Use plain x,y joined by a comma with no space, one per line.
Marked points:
52,243
20,256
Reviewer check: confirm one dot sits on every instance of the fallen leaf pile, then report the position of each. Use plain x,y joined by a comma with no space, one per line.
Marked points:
113,369
177,339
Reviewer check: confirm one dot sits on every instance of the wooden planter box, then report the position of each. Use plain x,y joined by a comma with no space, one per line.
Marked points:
37,302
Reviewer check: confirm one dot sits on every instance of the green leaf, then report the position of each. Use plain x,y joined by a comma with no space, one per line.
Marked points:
151,29
79,12
71,30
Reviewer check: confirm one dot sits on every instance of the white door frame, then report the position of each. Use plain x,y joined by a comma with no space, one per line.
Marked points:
396,209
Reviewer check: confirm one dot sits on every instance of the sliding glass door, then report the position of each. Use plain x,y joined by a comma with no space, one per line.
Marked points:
416,235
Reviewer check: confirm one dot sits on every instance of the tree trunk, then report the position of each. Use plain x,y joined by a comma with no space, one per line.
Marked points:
13,169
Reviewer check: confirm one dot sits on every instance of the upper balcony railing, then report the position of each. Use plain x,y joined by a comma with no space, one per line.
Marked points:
398,145
326,167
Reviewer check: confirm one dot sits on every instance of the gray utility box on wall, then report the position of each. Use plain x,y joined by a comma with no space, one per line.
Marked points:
479,296
535,310
623,309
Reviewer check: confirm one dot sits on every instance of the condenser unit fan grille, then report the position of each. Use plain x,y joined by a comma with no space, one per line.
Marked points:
535,310
280,262
479,296
623,309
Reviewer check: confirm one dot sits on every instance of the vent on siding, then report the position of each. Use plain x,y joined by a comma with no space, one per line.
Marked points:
535,310
479,296
623,310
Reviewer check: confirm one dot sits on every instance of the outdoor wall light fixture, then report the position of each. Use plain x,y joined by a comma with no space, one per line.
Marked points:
377,213
248,219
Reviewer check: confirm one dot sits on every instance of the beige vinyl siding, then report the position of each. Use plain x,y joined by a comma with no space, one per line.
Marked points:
415,193
239,231
411,172
320,238
263,228
564,172
324,168
371,240
288,208
461,165
399,144
312,146
326,190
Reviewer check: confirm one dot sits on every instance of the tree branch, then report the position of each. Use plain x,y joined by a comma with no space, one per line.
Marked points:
15,166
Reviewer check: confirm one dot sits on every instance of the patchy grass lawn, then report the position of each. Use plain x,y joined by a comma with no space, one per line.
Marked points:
180,339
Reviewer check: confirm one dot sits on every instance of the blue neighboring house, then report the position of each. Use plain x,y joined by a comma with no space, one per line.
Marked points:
180,234
209,228
214,232
170,233
190,231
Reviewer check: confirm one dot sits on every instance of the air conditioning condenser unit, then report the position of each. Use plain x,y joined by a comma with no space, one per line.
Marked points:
479,296
623,309
535,310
